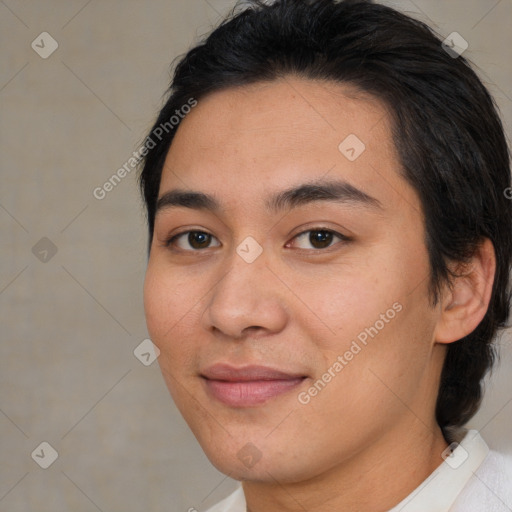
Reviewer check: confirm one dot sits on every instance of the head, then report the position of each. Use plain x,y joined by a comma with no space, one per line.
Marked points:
392,152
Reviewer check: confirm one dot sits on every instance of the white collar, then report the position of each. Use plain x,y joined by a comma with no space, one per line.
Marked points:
436,494
440,490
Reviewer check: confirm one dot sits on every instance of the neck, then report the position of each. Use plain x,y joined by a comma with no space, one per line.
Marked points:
375,479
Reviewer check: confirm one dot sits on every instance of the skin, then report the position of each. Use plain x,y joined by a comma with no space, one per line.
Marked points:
370,436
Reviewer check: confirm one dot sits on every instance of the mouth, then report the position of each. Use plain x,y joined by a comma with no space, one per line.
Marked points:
248,386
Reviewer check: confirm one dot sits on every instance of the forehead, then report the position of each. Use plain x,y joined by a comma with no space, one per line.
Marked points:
243,143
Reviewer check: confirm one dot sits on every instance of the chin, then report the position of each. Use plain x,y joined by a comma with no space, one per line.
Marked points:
265,465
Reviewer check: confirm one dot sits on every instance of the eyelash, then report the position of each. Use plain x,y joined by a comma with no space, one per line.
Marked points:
342,238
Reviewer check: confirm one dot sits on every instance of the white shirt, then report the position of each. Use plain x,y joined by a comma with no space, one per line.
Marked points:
471,479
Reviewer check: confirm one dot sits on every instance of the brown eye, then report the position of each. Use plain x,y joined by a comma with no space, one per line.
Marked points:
318,239
196,240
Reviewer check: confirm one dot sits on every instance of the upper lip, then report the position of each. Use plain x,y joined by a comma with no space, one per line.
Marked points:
222,371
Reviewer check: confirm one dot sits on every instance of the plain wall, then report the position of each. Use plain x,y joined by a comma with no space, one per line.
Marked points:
69,325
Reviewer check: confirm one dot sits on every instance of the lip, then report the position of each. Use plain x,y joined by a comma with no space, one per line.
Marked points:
249,385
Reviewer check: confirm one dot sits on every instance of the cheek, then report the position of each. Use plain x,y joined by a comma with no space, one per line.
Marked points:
379,352
343,302
159,303
171,305
375,316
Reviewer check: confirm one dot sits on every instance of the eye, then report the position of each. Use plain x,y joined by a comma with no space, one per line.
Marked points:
196,240
319,238
316,238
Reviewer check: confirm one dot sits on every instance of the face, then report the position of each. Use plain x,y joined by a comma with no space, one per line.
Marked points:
291,306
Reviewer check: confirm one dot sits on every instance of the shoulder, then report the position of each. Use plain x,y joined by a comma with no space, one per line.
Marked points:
490,487
235,502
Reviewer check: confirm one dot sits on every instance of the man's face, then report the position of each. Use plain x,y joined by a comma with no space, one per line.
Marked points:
330,291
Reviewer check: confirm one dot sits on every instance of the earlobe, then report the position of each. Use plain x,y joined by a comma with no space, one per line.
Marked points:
465,303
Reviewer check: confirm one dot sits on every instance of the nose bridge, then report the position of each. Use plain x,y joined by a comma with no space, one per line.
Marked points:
248,270
247,295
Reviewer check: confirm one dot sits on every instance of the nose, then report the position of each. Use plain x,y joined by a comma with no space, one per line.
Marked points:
248,298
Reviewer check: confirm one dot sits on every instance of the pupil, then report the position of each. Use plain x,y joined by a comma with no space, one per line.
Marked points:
198,239
320,239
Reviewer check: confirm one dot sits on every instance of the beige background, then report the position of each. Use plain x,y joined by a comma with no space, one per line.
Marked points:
69,326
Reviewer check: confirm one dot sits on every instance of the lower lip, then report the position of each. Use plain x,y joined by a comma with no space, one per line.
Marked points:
250,393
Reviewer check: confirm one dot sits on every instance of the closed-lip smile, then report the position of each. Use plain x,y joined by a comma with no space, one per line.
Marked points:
248,386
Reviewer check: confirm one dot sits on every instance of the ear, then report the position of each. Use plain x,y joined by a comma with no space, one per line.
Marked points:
464,303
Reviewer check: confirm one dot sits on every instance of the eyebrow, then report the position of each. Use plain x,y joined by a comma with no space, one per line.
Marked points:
299,195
